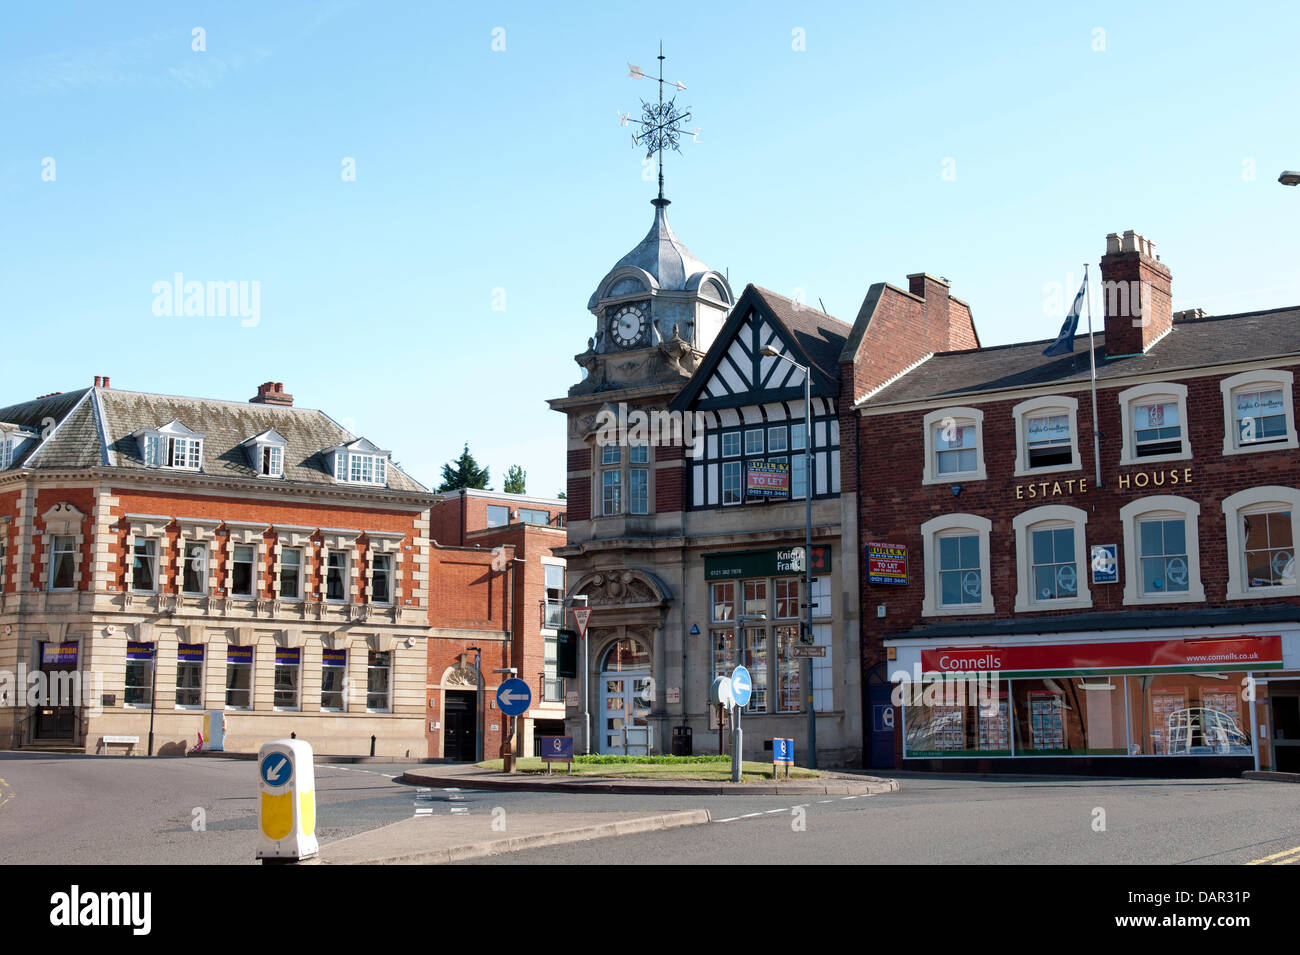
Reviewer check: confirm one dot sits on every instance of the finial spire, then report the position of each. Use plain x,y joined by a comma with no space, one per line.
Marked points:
659,122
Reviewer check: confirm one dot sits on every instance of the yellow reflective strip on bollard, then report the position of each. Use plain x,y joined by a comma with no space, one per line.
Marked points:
307,812
277,815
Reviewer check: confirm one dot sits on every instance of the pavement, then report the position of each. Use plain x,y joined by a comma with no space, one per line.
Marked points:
472,777
433,840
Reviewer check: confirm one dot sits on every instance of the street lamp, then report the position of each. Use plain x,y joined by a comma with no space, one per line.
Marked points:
737,736
478,706
807,555
1289,177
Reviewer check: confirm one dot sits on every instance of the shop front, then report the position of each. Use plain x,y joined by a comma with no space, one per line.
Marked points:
1195,703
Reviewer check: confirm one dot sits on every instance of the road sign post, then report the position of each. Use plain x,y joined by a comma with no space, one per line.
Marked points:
742,686
514,696
287,804
581,615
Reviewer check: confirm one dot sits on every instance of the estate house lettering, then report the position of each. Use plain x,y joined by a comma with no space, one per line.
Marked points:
1168,477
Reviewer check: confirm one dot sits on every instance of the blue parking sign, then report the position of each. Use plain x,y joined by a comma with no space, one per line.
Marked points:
783,751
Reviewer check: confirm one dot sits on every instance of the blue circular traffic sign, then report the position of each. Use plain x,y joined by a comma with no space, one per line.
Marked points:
514,697
276,769
742,685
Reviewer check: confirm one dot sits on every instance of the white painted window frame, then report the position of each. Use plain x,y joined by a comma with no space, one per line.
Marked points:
1162,507
1145,394
1041,407
930,533
1252,501
960,417
1044,518
1251,380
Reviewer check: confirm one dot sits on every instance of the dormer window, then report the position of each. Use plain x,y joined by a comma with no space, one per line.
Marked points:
171,446
266,453
11,444
359,463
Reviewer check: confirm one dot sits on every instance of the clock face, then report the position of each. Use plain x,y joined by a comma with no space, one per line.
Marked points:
627,325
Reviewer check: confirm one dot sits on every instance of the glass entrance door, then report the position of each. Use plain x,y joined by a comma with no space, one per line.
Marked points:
625,700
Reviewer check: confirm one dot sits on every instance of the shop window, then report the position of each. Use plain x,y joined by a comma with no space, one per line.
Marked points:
954,447
821,597
1047,435
751,652
823,670
957,718
194,575
1258,412
1188,714
1263,524
288,677
63,562
1051,558
789,670
239,678
378,681
144,565
755,597
955,555
139,674
1155,423
189,675
291,573
1162,562
241,577
787,598
333,678
724,602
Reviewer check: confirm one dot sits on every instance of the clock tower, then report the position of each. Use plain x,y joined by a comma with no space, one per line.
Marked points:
656,313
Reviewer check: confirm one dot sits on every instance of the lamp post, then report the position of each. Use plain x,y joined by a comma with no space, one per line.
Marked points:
807,554
478,706
737,735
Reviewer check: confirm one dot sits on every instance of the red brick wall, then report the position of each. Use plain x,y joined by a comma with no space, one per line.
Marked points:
9,509
302,514
894,504
579,492
83,499
464,591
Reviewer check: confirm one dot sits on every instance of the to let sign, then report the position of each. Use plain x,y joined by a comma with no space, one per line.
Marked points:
886,563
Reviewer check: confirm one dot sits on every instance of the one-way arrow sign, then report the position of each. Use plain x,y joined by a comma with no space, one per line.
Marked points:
514,696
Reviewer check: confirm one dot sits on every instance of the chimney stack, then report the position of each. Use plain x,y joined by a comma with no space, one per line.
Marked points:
934,309
1135,291
98,381
272,393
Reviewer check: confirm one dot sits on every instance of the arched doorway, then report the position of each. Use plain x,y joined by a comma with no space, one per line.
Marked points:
626,695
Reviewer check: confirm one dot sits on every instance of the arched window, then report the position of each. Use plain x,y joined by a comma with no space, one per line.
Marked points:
1051,563
956,556
1263,524
1162,554
626,654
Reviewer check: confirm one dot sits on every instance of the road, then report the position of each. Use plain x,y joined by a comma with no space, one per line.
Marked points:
78,810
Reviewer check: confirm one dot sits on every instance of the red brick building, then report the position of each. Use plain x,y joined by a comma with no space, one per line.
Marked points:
496,585
1121,610
182,563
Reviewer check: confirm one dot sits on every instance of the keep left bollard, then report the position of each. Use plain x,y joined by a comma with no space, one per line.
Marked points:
287,804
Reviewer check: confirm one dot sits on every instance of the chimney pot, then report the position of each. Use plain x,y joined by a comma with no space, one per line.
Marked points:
98,380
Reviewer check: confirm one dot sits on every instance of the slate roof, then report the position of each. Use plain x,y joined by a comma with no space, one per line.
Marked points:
1193,343
96,427
661,254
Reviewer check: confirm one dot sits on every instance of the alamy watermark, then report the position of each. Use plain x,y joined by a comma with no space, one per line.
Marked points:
657,428
212,299
55,688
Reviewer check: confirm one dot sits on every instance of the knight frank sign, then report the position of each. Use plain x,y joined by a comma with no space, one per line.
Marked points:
765,563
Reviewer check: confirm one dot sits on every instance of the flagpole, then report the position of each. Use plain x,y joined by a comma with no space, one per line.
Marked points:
1092,359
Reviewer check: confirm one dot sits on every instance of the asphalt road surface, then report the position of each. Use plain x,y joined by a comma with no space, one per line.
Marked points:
87,810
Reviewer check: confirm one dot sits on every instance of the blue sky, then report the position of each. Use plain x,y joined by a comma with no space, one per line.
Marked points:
440,297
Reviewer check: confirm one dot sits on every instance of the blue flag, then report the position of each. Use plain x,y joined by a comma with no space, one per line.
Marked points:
1065,341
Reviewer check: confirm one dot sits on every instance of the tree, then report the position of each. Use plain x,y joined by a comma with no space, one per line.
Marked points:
562,496
514,480
464,472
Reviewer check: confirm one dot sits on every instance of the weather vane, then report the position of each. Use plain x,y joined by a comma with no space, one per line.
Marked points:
661,123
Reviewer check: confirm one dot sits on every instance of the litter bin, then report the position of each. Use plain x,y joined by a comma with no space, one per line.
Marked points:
683,745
